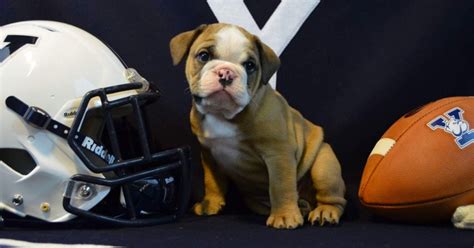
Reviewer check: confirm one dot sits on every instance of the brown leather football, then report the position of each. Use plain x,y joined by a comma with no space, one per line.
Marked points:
422,168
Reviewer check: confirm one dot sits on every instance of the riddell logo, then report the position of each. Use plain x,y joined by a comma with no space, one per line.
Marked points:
70,114
90,145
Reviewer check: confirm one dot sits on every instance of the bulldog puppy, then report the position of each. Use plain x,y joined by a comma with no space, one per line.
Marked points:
250,135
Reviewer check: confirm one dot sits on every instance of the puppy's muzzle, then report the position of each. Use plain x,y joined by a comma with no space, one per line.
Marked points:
226,76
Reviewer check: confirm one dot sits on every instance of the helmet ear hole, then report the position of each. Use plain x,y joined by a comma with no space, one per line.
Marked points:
18,160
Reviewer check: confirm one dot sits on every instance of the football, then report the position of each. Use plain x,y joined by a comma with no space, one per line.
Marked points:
422,168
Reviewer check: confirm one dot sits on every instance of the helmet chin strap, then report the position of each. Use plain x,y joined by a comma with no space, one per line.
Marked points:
39,118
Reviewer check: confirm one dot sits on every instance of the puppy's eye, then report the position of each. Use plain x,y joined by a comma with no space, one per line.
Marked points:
203,56
249,66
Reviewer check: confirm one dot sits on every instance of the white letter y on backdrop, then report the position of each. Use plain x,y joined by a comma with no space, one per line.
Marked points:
279,29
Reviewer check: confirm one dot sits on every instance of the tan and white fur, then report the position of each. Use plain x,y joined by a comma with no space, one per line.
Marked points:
250,136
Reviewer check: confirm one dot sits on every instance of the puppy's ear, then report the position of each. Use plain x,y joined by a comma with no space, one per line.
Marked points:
268,59
180,44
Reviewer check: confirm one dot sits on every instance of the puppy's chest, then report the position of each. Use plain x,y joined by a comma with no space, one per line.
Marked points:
224,140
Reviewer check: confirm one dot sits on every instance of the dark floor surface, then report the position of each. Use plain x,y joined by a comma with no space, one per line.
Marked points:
246,230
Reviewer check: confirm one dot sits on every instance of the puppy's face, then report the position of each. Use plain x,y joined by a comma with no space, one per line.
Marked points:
225,67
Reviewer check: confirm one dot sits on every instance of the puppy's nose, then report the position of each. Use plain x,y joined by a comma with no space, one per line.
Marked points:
226,76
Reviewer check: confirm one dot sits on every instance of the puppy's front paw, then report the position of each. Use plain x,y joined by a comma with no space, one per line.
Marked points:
285,219
209,206
325,213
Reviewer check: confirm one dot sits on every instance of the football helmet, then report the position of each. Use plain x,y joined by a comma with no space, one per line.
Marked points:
65,100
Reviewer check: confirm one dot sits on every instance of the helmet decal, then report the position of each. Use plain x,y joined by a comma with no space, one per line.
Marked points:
12,43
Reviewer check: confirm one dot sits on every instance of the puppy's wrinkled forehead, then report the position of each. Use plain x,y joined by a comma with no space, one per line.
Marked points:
227,42
232,44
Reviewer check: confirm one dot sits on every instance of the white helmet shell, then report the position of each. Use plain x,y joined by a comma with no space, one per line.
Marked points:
53,68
